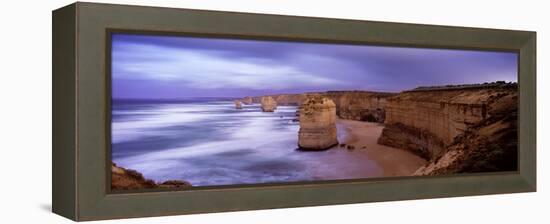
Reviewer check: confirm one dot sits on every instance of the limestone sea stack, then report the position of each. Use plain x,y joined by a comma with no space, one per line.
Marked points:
247,100
238,105
317,124
268,104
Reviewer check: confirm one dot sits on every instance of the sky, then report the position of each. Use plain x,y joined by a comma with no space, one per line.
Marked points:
173,67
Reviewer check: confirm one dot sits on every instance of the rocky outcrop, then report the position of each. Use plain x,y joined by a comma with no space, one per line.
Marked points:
268,104
488,146
360,105
352,105
427,120
317,124
289,99
123,179
283,99
238,105
126,179
247,100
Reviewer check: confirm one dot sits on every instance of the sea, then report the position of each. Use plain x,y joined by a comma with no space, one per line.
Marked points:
208,142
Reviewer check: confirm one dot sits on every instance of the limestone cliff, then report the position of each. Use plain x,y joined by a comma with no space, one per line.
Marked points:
126,179
353,105
428,119
317,124
282,99
360,105
488,146
289,99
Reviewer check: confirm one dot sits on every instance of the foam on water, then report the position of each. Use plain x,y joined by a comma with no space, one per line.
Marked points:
212,143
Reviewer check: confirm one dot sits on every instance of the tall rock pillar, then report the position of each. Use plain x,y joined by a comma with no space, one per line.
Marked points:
317,124
268,104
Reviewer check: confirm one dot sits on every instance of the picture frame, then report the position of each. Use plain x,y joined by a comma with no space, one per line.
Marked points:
81,113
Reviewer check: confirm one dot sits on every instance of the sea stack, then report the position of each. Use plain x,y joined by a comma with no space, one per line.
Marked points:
238,105
317,124
268,104
247,100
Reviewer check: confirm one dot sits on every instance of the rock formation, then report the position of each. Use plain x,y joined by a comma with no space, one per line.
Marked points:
427,120
247,100
238,105
126,179
283,99
488,146
353,105
268,104
317,124
289,99
360,105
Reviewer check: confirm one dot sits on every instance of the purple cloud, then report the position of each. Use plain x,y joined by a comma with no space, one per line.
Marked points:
147,66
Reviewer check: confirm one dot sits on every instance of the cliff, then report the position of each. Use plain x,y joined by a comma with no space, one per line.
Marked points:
126,179
317,124
282,99
428,119
352,105
488,146
360,105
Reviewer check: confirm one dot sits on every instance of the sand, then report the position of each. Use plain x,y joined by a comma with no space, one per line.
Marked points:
363,137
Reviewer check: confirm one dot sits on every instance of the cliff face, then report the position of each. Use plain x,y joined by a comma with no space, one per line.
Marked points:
426,121
282,99
317,124
289,99
352,105
488,146
360,105
125,179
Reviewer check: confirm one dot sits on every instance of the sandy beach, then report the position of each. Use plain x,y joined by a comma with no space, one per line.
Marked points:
362,136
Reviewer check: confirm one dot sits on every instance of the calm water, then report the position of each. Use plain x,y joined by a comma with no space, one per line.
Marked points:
209,142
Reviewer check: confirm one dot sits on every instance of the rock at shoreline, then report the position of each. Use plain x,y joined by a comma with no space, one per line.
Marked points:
126,179
247,100
174,183
238,105
317,124
268,104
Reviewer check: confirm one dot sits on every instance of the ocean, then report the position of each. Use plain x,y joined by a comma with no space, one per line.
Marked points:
207,142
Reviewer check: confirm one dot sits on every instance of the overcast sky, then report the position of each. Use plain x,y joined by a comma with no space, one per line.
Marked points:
147,66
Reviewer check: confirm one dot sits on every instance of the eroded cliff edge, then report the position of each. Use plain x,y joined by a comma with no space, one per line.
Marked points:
458,129
351,105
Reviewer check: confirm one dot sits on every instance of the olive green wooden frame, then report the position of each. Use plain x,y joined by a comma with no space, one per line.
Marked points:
81,116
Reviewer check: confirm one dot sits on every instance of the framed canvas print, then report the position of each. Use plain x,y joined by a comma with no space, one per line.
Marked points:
201,111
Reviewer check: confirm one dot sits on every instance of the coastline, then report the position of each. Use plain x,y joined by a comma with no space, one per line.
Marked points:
356,156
